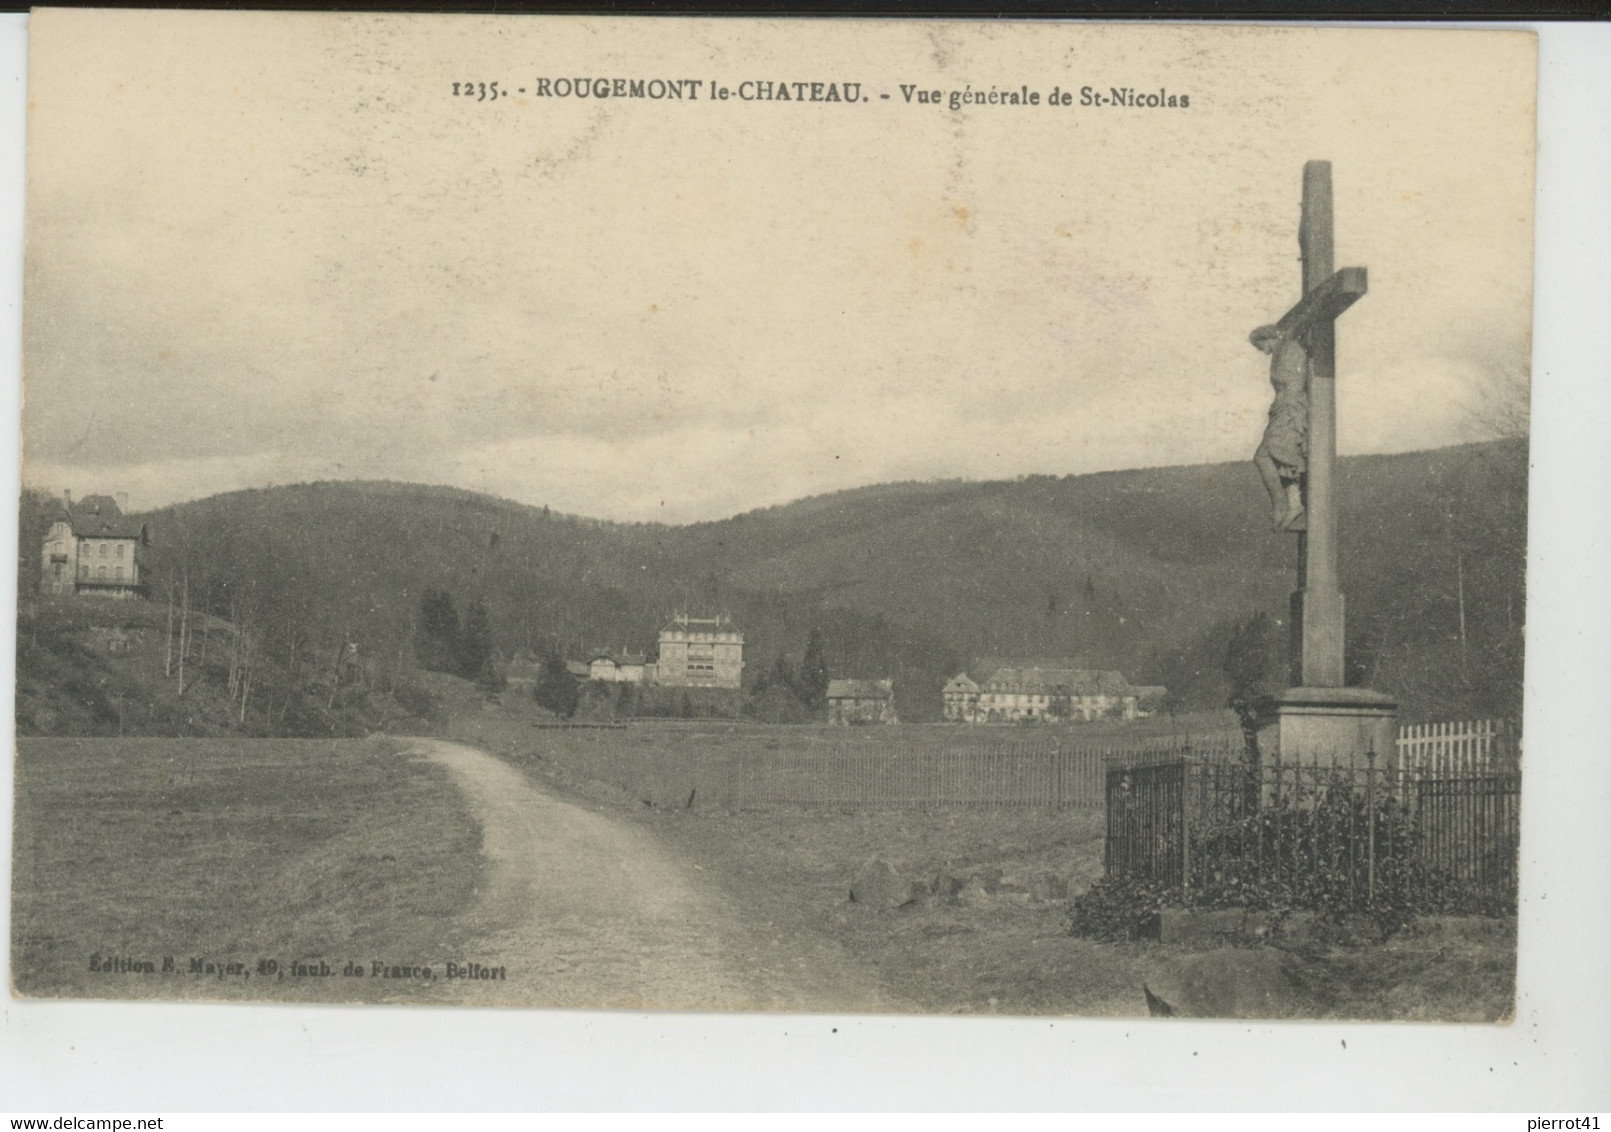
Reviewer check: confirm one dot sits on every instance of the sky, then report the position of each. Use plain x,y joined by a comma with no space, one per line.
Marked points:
273,250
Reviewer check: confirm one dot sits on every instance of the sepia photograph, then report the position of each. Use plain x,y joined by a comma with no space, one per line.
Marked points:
774,516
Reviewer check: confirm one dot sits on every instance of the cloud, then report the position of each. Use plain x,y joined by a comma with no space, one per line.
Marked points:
630,314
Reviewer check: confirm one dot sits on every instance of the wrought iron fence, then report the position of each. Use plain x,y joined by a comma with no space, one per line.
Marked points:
1321,836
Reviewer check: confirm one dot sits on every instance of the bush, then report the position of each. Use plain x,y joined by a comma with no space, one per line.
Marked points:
597,702
556,688
1283,858
1118,908
419,704
1315,858
776,705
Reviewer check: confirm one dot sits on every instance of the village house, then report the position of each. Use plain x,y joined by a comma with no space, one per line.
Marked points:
961,696
700,652
616,667
91,548
522,670
1045,691
861,702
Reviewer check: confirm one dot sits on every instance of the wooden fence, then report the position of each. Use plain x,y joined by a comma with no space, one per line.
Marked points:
867,774
897,776
928,769
1457,746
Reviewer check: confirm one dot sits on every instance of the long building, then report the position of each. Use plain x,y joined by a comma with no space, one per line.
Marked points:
1044,691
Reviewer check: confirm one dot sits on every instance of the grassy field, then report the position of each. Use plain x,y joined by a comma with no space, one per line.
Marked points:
1000,945
1008,951
730,765
322,853
231,852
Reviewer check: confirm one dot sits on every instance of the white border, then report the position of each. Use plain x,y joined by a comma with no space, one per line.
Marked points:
77,1057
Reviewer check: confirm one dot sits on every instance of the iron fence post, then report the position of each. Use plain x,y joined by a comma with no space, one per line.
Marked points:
1370,828
1185,827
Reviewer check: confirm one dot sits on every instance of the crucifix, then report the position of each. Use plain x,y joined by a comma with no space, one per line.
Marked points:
1317,606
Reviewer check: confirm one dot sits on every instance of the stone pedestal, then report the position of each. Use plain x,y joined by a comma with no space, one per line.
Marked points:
1331,725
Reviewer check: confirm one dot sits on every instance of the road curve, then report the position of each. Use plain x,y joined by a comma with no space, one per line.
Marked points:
585,911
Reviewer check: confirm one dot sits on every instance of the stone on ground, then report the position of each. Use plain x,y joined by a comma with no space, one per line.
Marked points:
878,885
1231,982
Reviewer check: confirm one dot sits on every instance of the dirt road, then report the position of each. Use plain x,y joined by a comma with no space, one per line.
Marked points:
583,911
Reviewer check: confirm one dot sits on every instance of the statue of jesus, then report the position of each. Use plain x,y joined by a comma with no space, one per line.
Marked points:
1283,455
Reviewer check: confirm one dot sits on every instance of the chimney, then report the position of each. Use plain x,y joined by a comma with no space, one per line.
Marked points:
67,494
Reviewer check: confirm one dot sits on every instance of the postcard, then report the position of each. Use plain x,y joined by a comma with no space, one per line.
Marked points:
782,515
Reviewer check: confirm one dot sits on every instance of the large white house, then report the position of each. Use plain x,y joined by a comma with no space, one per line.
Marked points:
700,652
91,548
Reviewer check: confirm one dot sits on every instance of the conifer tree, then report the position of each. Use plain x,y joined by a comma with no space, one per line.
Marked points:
813,686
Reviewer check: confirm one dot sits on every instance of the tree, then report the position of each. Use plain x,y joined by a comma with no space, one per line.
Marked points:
436,644
473,654
1249,667
780,675
776,704
556,688
813,689
35,513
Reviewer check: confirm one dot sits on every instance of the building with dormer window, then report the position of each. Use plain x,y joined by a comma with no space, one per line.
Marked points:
92,549
700,652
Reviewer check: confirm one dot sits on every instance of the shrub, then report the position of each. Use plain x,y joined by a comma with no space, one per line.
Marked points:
1118,908
1335,855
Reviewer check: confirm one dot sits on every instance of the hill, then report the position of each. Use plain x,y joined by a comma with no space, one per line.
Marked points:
1147,571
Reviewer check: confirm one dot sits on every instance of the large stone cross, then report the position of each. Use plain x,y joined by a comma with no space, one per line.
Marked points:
1317,606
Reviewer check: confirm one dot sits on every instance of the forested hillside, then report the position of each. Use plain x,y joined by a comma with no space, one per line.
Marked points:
1146,571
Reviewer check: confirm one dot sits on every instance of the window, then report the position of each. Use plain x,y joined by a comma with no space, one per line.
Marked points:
100,573
103,550
120,571
120,550
83,571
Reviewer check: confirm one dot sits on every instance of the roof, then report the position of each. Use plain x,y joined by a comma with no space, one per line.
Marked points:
860,689
98,516
1075,681
980,668
619,659
961,682
683,623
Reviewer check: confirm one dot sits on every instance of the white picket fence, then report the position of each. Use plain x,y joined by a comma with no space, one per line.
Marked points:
1462,746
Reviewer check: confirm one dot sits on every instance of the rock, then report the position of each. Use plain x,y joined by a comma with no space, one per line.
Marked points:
974,892
1231,982
987,875
946,884
878,885
1182,925
1047,885
1297,928
1466,927
1358,928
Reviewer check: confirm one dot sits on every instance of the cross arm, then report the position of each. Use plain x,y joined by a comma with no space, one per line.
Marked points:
1325,302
